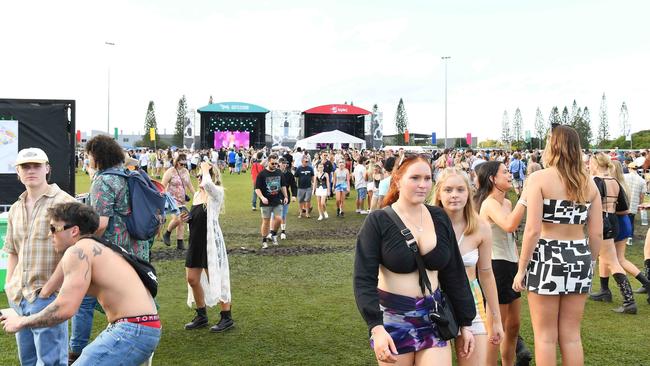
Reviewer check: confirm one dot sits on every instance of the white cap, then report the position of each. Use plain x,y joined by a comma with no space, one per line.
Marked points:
31,155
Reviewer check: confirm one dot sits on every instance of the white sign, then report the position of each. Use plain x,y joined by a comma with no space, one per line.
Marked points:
8,146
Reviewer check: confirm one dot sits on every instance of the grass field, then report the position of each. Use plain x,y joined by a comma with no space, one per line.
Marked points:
300,310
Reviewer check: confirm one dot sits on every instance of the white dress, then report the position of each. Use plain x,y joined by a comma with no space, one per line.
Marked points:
217,288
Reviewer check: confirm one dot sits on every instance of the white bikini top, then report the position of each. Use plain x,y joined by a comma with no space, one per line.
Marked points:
470,258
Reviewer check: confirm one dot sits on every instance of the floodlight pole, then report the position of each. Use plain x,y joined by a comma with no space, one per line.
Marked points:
445,58
108,96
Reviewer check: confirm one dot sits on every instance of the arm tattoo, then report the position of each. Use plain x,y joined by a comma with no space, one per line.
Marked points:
48,317
81,255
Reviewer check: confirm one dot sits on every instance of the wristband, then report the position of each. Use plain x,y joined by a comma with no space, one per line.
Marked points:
522,202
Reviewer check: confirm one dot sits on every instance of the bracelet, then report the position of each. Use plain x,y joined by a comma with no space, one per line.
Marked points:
522,202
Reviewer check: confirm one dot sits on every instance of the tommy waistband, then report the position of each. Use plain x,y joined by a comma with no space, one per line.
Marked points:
152,321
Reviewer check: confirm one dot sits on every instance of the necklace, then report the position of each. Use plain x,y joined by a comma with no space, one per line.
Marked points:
418,228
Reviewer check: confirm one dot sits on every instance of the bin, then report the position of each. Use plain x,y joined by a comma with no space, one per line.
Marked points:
3,255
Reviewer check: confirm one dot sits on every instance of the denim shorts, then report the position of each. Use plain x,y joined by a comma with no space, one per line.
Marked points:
268,210
121,344
362,193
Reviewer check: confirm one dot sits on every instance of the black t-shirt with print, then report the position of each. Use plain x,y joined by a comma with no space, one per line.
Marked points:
270,184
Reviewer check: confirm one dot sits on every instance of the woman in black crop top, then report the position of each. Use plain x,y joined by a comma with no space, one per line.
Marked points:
613,200
386,285
555,264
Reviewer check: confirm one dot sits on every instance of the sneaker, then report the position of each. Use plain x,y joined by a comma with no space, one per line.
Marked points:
626,309
274,240
341,214
264,245
325,215
223,325
358,211
320,217
254,208
642,290
283,236
629,241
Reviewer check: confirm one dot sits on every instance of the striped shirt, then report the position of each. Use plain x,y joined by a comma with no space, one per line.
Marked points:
29,239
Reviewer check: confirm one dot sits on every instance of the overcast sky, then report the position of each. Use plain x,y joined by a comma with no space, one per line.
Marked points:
290,54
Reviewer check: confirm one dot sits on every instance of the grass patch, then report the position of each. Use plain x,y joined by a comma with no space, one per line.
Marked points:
300,310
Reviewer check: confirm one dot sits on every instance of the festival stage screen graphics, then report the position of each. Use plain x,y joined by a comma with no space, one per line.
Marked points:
228,139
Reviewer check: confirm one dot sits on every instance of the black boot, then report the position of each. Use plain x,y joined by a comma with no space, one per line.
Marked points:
199,321
604,294
225,323
646,274
629,305
180,245
524,356
167,238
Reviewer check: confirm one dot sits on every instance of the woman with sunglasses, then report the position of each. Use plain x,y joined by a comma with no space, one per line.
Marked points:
494,180
206,261
612,197
387,282
454,194
556,258
176,181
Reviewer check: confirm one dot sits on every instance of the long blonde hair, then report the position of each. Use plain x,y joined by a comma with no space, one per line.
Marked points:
471,217
563,152
616,171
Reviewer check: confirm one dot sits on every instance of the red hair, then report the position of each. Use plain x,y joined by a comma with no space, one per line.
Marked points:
398,173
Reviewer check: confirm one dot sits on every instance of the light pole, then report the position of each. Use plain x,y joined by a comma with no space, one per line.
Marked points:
445,58
108,102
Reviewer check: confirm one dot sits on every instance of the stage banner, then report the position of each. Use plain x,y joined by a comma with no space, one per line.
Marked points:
8,146
468,139
231,139
377,129
284,127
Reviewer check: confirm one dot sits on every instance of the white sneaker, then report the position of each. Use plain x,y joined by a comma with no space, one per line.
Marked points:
274,240
264,245
320,217
325,215
358,211
283,236
364,212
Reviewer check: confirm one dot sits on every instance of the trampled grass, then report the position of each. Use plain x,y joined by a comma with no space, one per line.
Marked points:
300,310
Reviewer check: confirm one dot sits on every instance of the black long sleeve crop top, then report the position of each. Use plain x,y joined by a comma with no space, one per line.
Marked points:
380,242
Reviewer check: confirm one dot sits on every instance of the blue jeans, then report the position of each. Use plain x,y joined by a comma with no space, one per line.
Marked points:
82,324
41,346
121,344
254,198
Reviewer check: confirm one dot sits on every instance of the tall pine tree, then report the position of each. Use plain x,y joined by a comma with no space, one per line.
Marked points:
624,120
517,128
586,119
505,128
540,128
603,127
181,115
565,116
401,121
150,122
574,111
554,117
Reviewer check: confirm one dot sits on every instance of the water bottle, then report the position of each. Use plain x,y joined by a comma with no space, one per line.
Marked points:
644,217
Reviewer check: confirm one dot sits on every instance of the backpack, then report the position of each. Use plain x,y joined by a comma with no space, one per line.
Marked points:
146,204
144,269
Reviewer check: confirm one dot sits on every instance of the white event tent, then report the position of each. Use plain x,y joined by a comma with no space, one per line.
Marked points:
335,137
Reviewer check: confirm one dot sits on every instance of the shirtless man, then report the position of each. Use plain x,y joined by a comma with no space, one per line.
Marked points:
90,267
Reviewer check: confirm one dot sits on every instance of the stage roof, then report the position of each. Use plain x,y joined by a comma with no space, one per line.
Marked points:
233,107
337,109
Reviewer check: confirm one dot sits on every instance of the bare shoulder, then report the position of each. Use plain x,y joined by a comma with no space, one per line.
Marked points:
484,227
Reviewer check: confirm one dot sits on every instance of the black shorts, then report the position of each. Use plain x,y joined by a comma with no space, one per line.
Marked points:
232,165
193,166
504,274
610,225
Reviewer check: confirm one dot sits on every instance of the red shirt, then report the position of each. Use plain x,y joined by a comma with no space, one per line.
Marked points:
255,170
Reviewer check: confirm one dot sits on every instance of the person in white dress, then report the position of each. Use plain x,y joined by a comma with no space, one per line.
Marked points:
207,269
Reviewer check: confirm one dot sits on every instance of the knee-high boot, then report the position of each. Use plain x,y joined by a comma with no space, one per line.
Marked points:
629,305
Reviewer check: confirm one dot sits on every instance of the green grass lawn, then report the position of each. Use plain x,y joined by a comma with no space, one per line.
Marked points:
300,310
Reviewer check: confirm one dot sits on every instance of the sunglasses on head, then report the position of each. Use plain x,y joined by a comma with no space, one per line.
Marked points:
411,155
553,125
55,229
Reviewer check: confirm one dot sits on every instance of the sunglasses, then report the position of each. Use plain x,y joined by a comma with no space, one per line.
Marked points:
273,164
409,156
54,229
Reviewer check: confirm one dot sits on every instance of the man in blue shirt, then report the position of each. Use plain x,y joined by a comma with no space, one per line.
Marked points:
232,157
518,169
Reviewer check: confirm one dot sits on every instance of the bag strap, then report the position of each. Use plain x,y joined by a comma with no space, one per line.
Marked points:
413,246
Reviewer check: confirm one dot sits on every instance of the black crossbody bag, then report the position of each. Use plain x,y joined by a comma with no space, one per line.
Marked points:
442,313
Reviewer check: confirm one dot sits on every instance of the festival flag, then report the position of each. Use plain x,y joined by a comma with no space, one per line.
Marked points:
406,137
468,139
152,134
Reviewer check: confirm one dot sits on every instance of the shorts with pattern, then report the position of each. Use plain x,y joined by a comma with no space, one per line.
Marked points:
362,193
406,319
560,267
478,324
